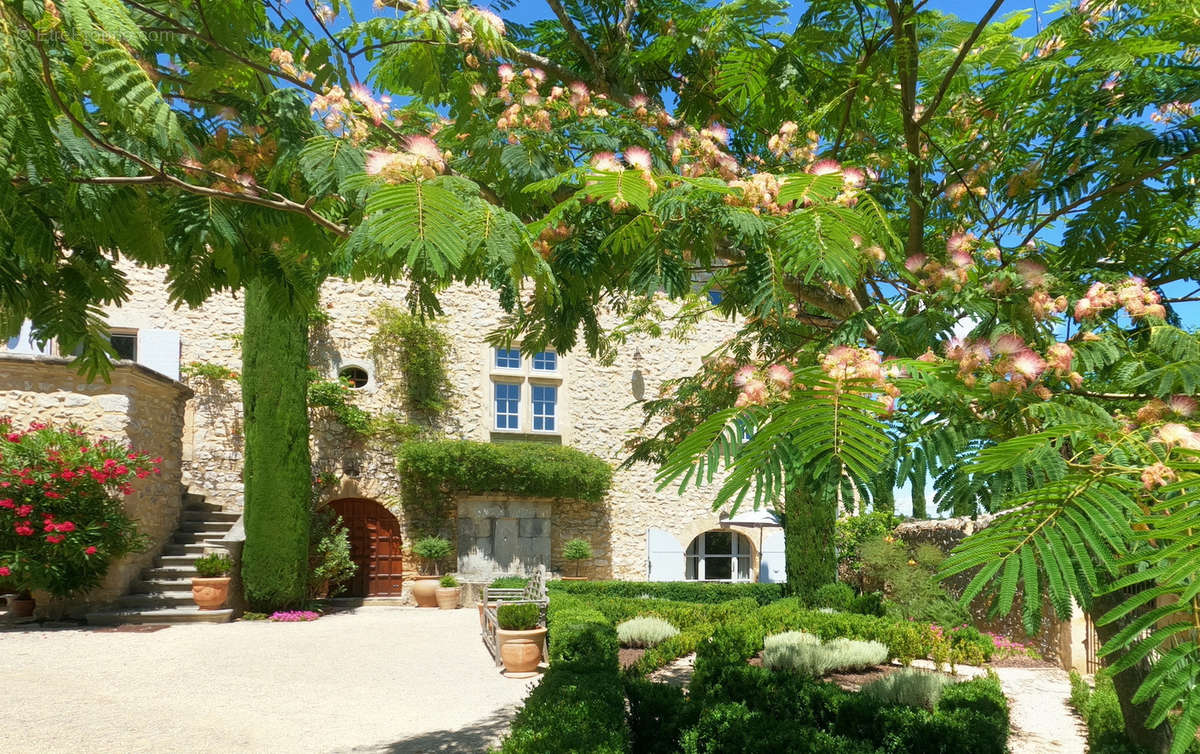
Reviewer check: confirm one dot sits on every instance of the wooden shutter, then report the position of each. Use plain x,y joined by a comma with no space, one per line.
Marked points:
665,556
159,350
771,565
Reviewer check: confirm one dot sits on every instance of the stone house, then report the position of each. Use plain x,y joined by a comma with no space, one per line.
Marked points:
638,532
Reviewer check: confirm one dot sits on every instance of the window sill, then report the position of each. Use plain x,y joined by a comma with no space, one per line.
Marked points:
500,435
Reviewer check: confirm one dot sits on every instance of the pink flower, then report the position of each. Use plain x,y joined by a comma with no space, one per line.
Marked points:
90,551
780,375
1009,344
606,162
378,160
1031,271
915,262
1157,475
506,73
743,375
825,167
638,158
1183,405
1028,364
854,178
55,539
1059,357
423,146
5,571
1177,434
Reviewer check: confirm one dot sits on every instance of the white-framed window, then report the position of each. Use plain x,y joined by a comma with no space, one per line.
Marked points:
526,391
718,555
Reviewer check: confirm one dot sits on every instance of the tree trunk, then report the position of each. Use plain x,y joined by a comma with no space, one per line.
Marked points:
1127,683
808,524
278,468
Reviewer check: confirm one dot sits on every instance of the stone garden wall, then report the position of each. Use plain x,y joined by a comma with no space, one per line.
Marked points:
137,406
1055,639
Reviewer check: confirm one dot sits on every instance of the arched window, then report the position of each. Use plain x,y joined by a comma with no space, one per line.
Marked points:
355,375
718,555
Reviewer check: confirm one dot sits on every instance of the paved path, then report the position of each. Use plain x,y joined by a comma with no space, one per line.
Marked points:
378,679
1042,721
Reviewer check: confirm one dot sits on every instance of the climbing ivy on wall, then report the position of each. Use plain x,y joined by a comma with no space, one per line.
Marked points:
418,350
433,472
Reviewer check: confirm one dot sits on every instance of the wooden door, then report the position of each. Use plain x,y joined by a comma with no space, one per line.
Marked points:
375,546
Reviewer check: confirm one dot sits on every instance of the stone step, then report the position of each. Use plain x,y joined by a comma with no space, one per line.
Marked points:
192,498
192,538
217,516
177,561
155,600
184,549
166,584
216,528
171,573
163,615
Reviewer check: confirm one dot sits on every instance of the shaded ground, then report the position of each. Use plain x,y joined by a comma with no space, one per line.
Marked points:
375,679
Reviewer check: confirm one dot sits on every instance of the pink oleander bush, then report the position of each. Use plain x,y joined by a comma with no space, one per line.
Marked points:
61,519
294,616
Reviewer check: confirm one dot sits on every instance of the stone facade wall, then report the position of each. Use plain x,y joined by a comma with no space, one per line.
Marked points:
1055,639
137,406
599,412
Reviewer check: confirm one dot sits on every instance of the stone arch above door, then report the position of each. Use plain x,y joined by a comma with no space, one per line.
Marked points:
375,546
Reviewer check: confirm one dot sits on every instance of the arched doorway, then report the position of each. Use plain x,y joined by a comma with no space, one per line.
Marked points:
375,546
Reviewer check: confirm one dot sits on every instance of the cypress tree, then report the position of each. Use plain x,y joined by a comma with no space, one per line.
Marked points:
278,465
809,518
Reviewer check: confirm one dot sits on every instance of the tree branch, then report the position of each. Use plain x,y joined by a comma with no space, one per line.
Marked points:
576,38
958,61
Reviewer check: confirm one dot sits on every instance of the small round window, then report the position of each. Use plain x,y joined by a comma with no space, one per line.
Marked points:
356,376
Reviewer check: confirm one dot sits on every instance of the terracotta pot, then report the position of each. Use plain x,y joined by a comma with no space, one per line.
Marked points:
210,594
447,597
424,591
521,651
20,607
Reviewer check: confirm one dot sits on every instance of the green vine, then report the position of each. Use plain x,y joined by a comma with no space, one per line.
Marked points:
337,396
418,350
213,373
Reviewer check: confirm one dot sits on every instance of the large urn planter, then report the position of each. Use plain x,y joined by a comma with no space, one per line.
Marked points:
424,591
211,588
521,651
210,593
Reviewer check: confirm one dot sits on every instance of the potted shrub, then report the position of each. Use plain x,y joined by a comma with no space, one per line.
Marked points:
211,588
503,582
61,519
447,593
520,638
576,550
431,550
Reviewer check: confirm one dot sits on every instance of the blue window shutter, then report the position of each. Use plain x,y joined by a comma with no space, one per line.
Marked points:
159,350
664,556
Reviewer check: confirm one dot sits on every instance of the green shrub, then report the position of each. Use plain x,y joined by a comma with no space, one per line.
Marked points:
679,591
1101,712
432,550
448,581
909,686
781,650
577,549
509,582
520,617
970,646
571,711
837,596
905,640
214,565
734,727
645,631
852,531
906,576
868,603
810,657
519,468
330,563
581,639
658,715
419,349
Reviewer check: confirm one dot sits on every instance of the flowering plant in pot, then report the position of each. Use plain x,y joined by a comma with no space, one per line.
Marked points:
211,588
61,520
448,593
520,637
576,550
431,550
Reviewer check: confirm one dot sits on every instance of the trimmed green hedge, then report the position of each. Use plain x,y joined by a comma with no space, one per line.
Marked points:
679,591
521,468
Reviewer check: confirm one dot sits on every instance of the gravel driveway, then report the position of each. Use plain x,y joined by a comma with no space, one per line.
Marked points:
374,679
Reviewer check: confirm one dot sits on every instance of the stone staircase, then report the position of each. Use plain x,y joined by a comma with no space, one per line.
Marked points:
164,592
